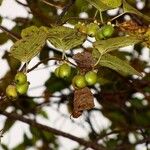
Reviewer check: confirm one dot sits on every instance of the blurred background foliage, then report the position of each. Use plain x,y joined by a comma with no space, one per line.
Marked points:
117,97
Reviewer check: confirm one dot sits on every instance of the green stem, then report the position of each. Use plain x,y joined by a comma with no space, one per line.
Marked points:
95,14
117,17
98,60
101,17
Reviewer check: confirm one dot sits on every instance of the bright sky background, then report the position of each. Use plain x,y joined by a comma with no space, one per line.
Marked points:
10,9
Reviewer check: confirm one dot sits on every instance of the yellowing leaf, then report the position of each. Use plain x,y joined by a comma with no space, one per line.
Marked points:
28,47
111,44
112,3
130,9
29,31
65,38
103,5
116,64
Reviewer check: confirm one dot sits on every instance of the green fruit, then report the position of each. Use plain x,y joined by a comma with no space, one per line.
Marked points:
82,28
64,71
107,30
92,29
57,72
91,77
79,81
22,88
99,35
77,26
11,91
20,78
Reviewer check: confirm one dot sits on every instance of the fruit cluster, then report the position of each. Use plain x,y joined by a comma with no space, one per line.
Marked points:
20,86
93,30
79,81
63,71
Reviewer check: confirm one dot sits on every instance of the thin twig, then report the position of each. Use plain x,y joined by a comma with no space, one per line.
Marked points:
32,123
65,9
21,3
10,33
51,4
48,59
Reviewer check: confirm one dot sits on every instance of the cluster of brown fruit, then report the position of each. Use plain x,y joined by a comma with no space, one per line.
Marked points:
20,86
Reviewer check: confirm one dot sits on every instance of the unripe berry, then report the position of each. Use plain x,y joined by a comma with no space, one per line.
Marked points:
22,88
20,78
91,77
81,27
77,26
11,91
57,72
64,71
107,30
92,29
79,81
99,35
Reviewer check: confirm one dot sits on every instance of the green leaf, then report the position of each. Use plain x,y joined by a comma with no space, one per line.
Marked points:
43,113
29,31
116,64
112,3
28,47
4,147
1,19
1,2
3,38
103,5
111,44
19,147
55,84
65,38
81,5
8,124
130,9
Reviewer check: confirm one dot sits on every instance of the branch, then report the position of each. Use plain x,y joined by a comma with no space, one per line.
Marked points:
10,33
25,5
52,130
38,13
145,140
48,59
65,9
53,5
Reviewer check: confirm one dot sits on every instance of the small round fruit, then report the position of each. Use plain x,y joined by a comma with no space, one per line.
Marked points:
78,25
92,29
99,35
22,88
57,72
79,81
20,78
83,28
107,30
91,77
64,71
11,91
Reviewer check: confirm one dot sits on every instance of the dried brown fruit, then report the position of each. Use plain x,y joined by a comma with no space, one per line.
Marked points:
83,100
84,61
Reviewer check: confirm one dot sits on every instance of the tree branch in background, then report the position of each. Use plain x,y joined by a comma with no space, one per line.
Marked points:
48,59
25,5
51,4
65,9
38,13
10,33
52,130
